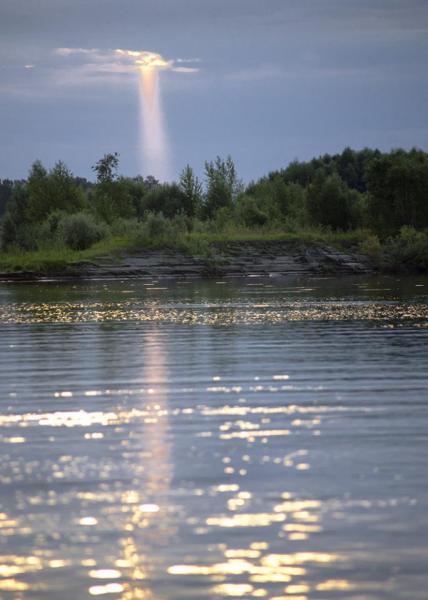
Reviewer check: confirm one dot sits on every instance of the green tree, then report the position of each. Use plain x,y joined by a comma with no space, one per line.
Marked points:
56,190
191,189
350,165
332,204
67,195
106,168
398,191
111,198
222,185
15,218
301,173
40,200
6,190
168,199
280,200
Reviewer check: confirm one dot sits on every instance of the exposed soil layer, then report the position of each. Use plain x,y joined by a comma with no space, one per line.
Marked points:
228,259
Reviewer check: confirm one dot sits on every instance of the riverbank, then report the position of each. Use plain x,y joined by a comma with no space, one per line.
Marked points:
269,258
225,254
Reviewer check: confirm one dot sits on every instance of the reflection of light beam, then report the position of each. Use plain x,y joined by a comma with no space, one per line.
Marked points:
155,154
149,510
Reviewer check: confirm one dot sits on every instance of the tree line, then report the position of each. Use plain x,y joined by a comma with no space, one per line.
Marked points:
381,192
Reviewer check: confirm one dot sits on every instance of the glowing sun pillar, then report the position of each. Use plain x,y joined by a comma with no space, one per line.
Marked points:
154,144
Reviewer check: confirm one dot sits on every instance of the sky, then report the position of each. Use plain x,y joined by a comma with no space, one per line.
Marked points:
266,81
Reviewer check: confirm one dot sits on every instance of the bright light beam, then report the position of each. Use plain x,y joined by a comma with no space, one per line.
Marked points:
155,154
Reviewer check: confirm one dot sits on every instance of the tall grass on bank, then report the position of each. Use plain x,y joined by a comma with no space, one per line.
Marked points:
406,252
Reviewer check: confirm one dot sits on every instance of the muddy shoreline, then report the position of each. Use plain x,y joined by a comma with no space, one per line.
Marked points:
229,259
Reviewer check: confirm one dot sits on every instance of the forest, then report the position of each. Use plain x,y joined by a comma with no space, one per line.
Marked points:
373,201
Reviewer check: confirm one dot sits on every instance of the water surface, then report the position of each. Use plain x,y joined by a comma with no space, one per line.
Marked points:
250,439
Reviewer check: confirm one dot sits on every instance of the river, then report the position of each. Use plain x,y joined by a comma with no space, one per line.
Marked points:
209,440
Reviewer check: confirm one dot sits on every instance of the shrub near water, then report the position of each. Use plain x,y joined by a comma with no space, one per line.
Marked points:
406,252
371,246
157,231
80,231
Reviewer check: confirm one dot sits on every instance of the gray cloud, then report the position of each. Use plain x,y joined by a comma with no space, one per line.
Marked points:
278,78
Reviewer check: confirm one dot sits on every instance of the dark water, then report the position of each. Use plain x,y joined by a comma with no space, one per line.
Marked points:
211,440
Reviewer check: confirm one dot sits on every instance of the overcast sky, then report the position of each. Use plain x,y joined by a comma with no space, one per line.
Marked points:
267,80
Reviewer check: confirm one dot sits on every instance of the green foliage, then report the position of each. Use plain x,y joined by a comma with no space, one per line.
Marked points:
326,199
371,246
191,188
79,231
125,227
224,218
55,190
30,236
407,252
15,217
134,190
248,213
351,166
299,173
332,204
398,191
156,226
6,190
106,168
222,185
55,258
279,200
112,201
111,198
67,195
169,199
40,199
157,230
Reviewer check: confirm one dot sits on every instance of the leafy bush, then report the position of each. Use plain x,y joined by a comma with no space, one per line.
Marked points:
407,252
167,199
224,219
157,230
125,227
249,213
32,236
80,231
155,225
371,246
